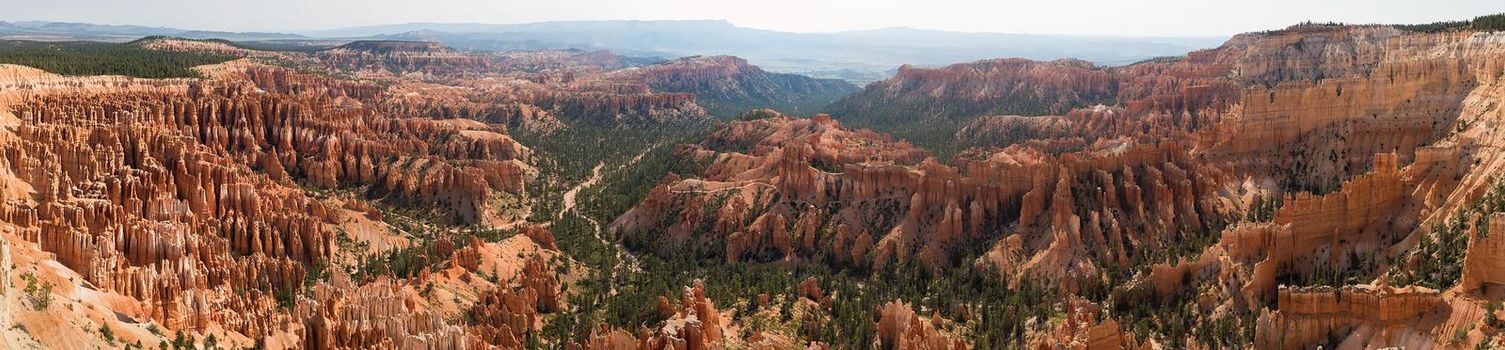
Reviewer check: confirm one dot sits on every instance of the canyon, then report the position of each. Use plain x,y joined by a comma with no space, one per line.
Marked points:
1322,185
260,206
1283,158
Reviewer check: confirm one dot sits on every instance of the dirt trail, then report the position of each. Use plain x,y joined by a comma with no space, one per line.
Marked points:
596,230
738,187
569,196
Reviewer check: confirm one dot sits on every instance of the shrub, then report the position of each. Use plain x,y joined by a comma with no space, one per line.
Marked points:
39,293
107,333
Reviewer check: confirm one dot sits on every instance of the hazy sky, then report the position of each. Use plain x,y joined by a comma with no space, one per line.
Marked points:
1093,17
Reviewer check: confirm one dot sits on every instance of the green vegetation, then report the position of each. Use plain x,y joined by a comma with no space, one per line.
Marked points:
994,315
413,259
1490,319
1188,243
623,189
1482,23
97,58
799,104
1175,318
273,45
621,290
181,341
39,293
284,46
756,114
932,123
1439,255
1490,22
1263,209
1000,312
937,136
567,156
107,333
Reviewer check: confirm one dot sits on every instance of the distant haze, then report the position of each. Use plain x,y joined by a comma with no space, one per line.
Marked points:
1081,17
856,56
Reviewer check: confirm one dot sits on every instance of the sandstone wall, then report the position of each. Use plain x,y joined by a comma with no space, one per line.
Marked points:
778,188
1484,259
1310,316
181,194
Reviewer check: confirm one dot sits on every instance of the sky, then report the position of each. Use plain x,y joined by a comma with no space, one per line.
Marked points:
1077,17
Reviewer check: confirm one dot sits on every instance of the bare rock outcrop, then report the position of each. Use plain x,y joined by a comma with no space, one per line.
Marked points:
692,323
784,188
899,328
1483,266
1309,316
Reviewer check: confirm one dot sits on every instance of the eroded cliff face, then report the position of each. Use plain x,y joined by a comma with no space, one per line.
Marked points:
182,203
1329,122
802,190
1307,235
1279,180
1413,101
530,90
899,328
973,89
1323,149
535,89
728,85
217,207
322,141
1309,101
401,57
1368,315
1420,101
219,47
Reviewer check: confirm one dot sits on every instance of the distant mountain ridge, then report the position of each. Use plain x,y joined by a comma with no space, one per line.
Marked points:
728,85
38,30
389,46
859,57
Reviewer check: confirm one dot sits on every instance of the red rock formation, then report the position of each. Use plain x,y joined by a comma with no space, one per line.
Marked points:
531,90
973,89
1368,133
1085,327
810,289
1482,263
200,204
539,278
178,194
729,84
1308,233
694,323
380,315
331,146
505,318
1286,101
899,328
1159,95
163,43
777,181
1307,317
402,57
